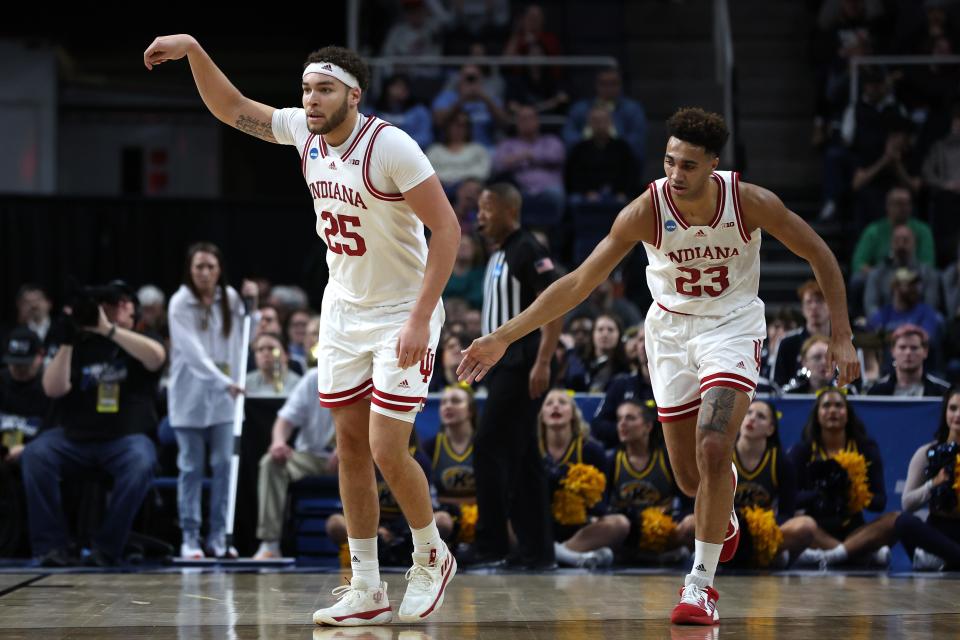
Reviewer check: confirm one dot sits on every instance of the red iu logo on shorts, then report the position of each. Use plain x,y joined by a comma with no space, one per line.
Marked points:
426,365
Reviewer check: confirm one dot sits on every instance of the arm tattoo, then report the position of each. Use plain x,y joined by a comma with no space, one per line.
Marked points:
256,128
717,409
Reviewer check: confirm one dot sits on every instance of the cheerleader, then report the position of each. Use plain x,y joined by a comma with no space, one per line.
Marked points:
766,492
835,496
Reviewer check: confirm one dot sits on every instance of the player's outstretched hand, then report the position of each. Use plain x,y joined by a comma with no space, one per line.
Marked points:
482,354
165,48
843,356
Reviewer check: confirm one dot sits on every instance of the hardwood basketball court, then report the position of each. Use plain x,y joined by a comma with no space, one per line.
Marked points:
566,605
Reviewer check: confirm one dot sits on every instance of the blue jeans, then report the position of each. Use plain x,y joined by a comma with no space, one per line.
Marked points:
192,442
130,461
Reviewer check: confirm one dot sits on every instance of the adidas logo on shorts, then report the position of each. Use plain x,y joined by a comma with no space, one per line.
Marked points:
404,385
740,365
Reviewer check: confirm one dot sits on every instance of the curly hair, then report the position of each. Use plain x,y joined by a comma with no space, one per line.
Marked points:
700,128
342,57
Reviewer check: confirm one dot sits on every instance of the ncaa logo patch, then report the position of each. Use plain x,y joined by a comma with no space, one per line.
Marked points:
314,153
670,225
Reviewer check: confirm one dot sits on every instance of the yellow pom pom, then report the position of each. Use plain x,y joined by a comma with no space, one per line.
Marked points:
468,523
344,556
855,465
766,534
656,527
568,508
956,476
586,481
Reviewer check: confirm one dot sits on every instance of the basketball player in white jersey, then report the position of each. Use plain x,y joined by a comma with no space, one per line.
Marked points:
701,229
373,191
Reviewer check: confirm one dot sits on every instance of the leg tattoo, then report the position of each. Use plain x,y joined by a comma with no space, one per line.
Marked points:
716,409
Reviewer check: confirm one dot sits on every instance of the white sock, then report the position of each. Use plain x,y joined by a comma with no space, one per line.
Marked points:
426,539
706,556
567,556
363,560
836,555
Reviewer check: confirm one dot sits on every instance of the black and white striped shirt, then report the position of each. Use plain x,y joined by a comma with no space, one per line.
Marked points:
515,274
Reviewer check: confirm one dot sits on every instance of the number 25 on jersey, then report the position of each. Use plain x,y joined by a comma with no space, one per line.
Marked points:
689,285
340,234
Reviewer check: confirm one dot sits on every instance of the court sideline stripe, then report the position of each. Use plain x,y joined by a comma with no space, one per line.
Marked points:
21,585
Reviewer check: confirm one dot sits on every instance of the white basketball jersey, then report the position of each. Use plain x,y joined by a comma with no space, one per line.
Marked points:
703,270
376,249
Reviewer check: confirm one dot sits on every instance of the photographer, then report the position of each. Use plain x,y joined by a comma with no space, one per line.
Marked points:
934,543
105,378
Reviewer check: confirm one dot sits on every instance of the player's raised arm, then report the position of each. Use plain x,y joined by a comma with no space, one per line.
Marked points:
763,209
635,223
223,99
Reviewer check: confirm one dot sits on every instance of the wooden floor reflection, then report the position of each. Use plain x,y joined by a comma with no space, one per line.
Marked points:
564,606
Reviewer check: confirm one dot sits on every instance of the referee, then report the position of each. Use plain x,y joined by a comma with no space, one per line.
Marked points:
511,482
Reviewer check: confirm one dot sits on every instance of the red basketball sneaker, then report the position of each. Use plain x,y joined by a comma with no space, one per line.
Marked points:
697,606
732,540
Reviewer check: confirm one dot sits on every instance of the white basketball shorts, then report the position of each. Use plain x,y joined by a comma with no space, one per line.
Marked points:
357,357
689,354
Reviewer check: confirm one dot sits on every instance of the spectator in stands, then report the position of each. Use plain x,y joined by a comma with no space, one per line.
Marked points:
934,544
469,21
466,281
269,321
907,308
398,106
833,428
628,116
633,386
941,172
767,480
466,204
33,310
533,161
272,377
286,298
574,348
602,300
910,347
535,85
153,312
564,441
606,358
417,33
451,451
282,464
484,111
816,318
780,323
639,483
310,340
104,377
873,246
23,409
457,157
903,252
447,361
815,371
601,167
875,175
23,404
296,333
206,320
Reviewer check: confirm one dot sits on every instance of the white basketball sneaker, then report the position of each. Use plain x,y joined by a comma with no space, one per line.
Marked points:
427,582
357,604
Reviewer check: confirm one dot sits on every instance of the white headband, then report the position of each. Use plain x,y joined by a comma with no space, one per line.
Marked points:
330,69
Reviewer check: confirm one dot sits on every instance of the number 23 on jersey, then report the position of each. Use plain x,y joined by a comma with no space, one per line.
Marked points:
691,286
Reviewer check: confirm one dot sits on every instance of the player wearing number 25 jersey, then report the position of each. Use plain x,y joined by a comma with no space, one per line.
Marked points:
701,230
